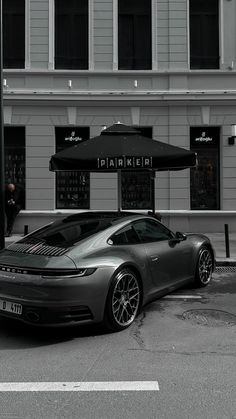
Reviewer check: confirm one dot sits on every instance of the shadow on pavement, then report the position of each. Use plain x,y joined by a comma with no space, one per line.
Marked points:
17,335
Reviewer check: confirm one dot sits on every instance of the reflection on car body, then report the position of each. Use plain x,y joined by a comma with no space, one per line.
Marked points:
98,267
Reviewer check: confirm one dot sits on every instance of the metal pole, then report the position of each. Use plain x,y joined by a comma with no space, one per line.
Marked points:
119,191
2,162
153,191
227,240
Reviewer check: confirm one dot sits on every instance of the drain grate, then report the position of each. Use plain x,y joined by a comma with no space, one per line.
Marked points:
225,269
210,317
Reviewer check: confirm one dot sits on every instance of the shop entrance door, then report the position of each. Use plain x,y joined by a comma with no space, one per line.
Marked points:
204,179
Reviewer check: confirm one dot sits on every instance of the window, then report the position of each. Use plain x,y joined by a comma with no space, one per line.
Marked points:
69,231
204,179
73,187
134,35
137,187
14,147
13,33
204,34
126,235
71,34
151,231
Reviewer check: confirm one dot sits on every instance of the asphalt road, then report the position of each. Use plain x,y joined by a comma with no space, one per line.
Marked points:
185,342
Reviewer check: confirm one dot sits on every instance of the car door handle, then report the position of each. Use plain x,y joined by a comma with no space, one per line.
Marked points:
154,258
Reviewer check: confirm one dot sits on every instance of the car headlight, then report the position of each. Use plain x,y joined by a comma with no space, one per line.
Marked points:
56,274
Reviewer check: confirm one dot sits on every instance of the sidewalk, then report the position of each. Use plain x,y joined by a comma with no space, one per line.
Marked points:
217,239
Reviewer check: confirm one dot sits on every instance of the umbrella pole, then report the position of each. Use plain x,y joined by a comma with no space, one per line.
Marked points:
153,191
119,189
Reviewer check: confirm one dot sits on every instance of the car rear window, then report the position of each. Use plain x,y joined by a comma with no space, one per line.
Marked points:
66,234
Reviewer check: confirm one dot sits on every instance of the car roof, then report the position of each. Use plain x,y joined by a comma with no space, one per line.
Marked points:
102,215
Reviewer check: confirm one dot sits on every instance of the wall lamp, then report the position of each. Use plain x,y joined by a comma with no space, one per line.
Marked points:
232,139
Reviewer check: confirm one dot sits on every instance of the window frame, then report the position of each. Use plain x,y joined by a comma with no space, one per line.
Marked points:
120,231
152,62
53,40
207,66
155,223
24,60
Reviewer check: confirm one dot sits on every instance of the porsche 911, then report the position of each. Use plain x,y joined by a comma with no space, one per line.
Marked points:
98,267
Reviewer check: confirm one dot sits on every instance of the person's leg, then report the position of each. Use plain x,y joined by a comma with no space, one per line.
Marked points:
11,216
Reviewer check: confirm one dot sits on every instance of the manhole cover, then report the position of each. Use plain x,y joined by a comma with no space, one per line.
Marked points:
211,318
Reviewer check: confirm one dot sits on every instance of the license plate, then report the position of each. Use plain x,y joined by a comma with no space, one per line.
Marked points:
11,307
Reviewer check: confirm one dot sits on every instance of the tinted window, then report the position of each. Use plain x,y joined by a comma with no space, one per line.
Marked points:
125,236
134,34
66,233
13,33
71,34
151,231
204,34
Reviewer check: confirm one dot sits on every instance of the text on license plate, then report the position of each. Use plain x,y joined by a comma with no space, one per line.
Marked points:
10,307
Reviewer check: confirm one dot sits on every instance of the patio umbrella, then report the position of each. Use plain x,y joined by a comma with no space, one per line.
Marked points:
120,147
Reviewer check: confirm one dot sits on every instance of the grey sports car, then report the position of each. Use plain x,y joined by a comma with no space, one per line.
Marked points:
98,267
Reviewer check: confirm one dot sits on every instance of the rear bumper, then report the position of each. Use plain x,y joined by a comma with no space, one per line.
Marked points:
57,302
53,316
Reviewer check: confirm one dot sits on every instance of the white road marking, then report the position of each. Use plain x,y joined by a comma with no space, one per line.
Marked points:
81,386
181,297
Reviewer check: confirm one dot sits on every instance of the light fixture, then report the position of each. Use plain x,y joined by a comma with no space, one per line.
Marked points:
5,83
135,83
70,84
231,140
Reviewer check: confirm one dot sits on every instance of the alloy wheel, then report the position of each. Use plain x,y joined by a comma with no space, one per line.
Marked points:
125,298
205,266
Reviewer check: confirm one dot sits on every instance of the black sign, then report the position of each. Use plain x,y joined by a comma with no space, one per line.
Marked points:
204,137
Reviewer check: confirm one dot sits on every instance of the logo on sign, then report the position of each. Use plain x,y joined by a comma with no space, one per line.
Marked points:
73,137
124,162
203,138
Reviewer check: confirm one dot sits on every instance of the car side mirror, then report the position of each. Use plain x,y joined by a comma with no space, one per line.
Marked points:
180,236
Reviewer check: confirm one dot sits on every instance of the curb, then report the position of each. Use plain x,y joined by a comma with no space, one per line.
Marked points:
225,263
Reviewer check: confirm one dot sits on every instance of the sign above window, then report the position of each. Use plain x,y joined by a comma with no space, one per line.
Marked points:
201,137
73,137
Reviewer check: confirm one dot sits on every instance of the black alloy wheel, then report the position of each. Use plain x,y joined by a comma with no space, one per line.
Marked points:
204,267
123,300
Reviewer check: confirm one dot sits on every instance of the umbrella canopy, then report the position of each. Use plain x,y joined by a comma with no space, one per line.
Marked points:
120,147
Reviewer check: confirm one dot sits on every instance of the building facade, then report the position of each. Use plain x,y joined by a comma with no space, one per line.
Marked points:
165,66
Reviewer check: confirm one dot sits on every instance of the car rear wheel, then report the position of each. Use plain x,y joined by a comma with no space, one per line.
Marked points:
204,267
123,300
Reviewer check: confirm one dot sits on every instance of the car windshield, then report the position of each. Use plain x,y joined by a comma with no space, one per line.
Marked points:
71,230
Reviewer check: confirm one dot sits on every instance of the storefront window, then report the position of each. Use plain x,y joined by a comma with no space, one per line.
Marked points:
204,179
72,187
137,187
14,145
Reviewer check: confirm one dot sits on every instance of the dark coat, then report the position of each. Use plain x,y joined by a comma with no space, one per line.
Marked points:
14,200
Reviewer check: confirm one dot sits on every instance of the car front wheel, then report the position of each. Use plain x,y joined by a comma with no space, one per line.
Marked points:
204,267
123,300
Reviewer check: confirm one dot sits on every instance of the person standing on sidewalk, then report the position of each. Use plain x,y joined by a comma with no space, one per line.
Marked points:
13,205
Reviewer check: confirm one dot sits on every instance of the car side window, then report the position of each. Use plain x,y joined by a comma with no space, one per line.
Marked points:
126,235
151,231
